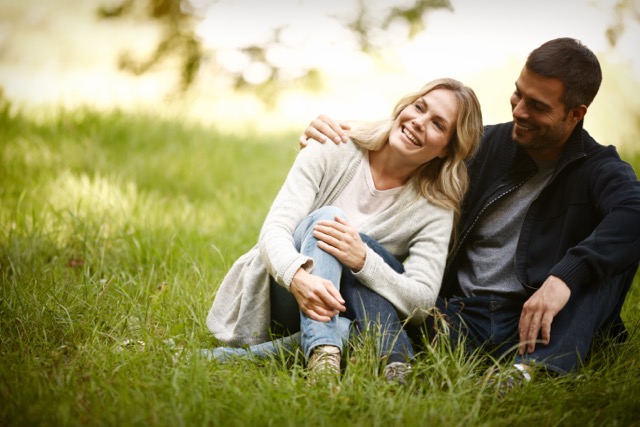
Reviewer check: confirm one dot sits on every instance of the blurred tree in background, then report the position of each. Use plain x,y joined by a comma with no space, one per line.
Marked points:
270,55
179,37
257,62
622,8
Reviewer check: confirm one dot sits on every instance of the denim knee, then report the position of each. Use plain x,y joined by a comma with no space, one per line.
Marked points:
327,213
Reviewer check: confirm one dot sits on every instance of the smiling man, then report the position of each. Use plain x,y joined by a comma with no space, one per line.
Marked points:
549,236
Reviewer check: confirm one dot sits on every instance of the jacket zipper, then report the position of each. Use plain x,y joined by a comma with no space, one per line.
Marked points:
486,206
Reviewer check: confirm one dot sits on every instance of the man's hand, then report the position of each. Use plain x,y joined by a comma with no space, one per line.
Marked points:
538,313
317,297
324,127
340,239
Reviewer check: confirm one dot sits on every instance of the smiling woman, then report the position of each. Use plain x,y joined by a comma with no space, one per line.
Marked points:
359,231
421,133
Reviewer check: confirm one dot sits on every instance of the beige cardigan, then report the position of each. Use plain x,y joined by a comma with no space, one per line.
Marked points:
412,229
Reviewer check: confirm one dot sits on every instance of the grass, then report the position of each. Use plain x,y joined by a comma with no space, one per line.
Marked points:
115,231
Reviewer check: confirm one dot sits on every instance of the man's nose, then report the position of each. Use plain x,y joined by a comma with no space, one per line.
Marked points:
520,109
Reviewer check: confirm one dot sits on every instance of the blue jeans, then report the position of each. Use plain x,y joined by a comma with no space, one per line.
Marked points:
284,307
375,315
490,323
368,310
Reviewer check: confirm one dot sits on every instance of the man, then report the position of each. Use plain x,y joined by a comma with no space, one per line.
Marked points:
549,235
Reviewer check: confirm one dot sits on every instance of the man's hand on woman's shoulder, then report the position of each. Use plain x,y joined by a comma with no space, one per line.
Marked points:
322,128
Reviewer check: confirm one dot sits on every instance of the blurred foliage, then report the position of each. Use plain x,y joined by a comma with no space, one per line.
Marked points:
179,18
369,25
179,38
621,10
366,20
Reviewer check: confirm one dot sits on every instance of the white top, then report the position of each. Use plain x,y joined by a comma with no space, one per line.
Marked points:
361,200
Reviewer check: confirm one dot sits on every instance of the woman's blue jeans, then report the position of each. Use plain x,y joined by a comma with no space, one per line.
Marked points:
313,332
368,310
374,315
285,312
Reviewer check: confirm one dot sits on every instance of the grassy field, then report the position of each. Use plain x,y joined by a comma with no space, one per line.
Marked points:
115,231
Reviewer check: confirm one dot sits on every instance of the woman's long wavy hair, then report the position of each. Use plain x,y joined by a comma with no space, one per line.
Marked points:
442,181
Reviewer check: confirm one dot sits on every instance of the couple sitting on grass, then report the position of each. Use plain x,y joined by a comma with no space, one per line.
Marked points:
498,231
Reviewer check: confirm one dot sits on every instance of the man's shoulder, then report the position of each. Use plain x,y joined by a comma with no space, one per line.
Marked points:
498,131
496,137
597,152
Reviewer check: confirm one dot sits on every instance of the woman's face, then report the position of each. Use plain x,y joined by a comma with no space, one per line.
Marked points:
424,128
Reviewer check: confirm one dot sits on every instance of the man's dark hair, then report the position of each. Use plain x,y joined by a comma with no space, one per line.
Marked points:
571,62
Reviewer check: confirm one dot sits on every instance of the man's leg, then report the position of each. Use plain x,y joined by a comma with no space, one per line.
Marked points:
484,322
589,311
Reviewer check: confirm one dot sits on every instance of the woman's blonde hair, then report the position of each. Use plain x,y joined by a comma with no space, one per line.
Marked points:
442,181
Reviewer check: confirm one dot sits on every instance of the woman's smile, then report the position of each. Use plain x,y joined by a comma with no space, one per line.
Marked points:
414,140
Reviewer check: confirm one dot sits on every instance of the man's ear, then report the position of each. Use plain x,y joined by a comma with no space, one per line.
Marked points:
578,113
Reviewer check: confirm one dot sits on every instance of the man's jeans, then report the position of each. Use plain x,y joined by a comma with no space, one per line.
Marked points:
366,308
490,323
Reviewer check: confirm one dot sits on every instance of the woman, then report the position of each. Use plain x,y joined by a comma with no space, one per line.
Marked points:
397,184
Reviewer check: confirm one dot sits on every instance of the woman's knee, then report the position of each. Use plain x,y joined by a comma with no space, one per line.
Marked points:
305,228
327,213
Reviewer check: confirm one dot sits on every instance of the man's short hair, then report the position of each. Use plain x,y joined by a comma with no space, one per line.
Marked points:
570,61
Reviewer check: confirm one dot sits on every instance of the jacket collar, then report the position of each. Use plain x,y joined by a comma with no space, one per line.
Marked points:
574,149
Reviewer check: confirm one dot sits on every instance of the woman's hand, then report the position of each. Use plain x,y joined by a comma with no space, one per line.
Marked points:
324,127
340,239
318,298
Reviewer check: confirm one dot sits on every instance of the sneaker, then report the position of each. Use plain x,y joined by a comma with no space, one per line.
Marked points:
397,372
324,361
505,382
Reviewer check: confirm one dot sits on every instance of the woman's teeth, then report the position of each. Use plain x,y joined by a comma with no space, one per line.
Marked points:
411,137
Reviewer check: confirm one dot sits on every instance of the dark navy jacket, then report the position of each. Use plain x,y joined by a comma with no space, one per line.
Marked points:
584,227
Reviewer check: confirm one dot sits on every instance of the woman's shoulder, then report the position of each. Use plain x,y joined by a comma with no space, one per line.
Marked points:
332,146
316,150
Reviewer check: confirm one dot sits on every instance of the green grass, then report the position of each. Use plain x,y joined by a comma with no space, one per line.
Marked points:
117,228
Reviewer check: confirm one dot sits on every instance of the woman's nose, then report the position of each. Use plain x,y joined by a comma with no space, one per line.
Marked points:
418,123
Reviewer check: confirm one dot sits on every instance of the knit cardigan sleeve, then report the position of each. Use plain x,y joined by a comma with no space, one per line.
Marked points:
318,174
418,233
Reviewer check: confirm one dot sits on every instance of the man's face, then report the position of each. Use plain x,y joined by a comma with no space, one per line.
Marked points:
540,123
